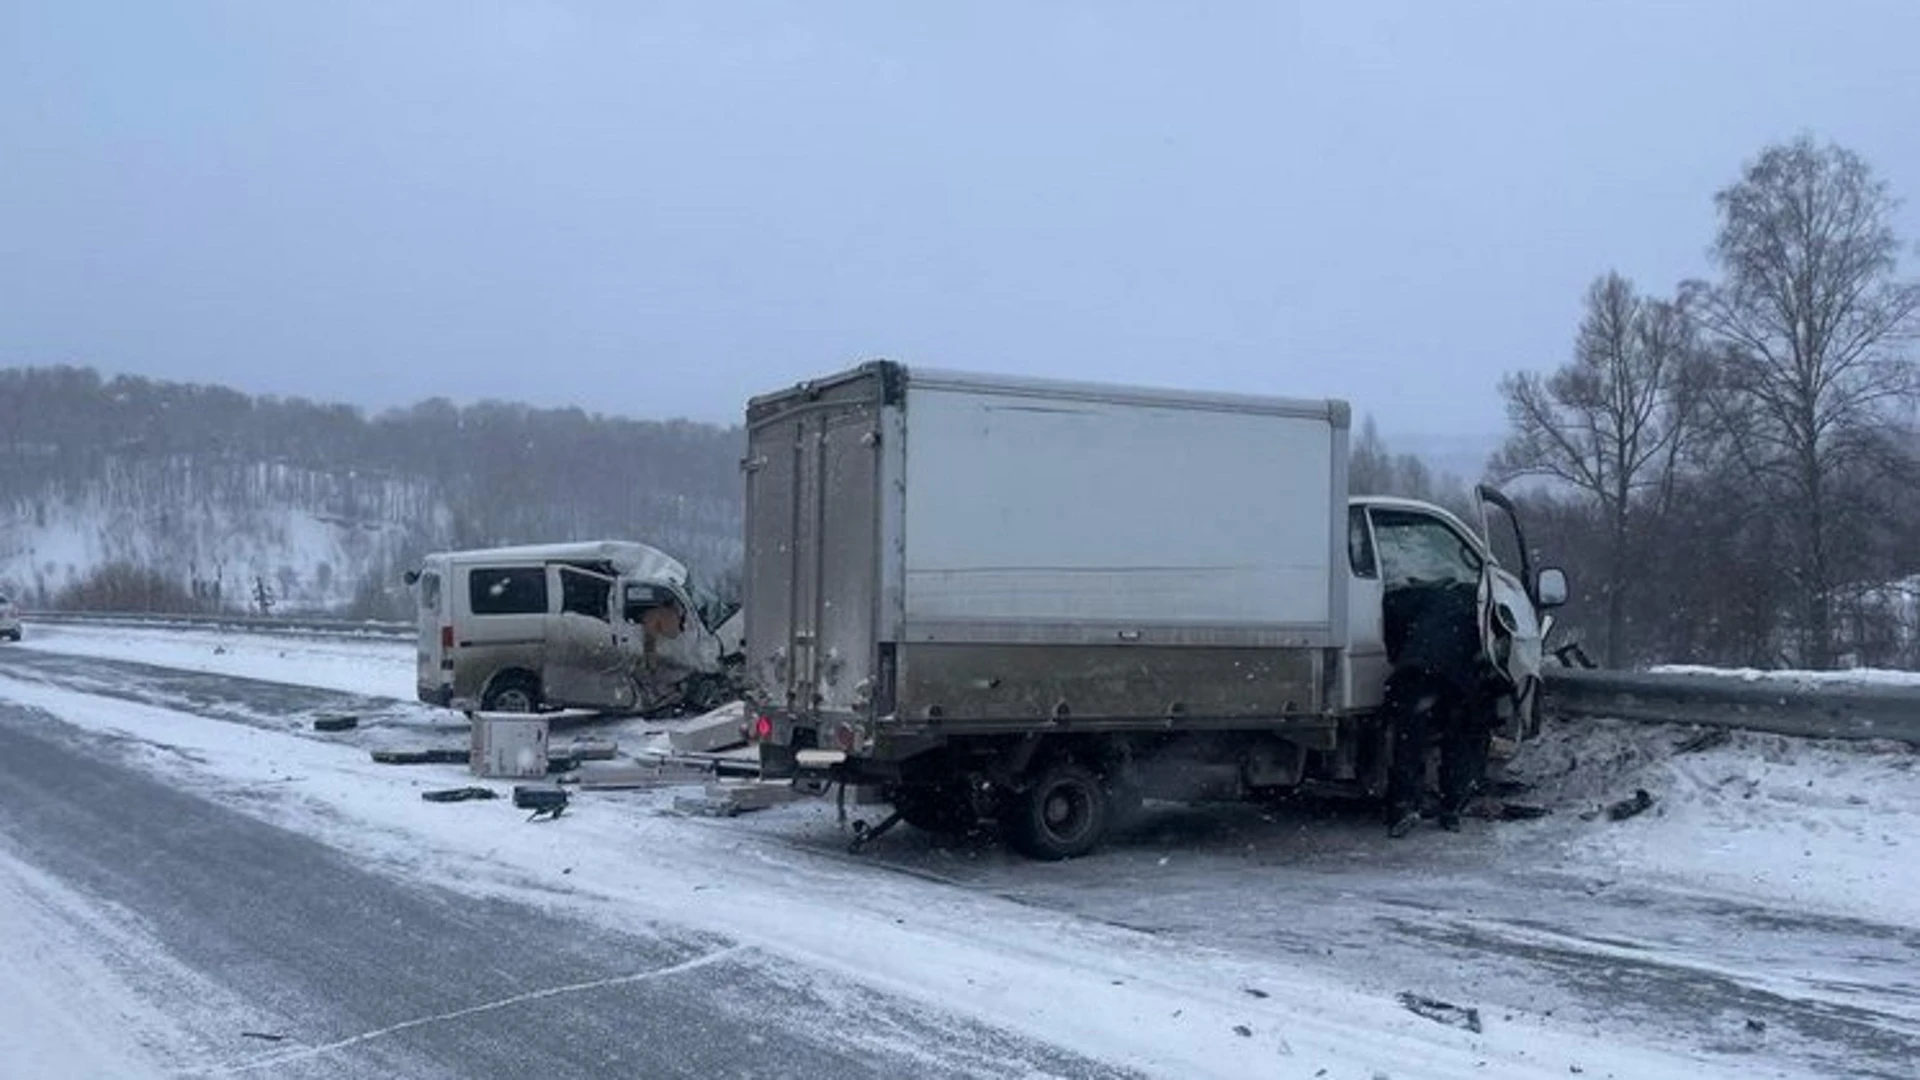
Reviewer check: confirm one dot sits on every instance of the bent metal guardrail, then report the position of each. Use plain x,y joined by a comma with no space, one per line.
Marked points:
1818,710
261,624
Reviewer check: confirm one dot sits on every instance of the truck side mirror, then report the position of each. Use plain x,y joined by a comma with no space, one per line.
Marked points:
1551,589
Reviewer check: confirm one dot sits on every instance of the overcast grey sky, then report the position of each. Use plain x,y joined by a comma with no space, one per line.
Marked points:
660,209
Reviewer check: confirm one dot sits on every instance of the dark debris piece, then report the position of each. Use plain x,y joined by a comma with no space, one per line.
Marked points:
1633,807
336,723
1442,1012
548,802
1704,740
460,794
421,757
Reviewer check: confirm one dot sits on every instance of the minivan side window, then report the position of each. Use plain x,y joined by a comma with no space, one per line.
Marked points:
430,592
511,590
585,594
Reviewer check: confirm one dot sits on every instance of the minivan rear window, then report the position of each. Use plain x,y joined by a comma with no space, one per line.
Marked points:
509,590
430,592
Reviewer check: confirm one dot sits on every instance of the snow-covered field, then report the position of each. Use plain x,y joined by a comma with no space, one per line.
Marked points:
1229,942
375,666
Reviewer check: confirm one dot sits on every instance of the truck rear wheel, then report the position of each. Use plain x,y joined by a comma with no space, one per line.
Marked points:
1062,814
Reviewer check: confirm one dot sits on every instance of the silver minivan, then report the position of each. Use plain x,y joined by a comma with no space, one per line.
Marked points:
607,625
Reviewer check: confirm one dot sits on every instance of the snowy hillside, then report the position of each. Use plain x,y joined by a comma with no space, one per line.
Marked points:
208,493
309,558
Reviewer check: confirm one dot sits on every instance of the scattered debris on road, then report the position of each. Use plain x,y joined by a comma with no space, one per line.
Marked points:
431,756
635,775
1633,807
508,746
587,748
1442,1012
728,800
544,800
720,729
1704,740
460,794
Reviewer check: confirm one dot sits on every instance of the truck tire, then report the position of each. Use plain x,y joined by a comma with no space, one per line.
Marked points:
512,691
1062,814
935,808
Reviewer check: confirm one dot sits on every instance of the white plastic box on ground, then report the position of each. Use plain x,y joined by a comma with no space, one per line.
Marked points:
509,746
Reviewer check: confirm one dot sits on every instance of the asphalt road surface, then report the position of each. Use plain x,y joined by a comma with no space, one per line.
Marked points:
341,971
1833,994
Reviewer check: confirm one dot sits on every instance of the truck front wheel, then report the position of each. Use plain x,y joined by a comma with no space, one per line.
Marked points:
1062,814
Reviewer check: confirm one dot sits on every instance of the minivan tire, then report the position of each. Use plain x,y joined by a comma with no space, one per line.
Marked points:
513,691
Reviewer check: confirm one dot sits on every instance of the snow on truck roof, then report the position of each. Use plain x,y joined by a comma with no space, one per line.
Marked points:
1334,410
627,557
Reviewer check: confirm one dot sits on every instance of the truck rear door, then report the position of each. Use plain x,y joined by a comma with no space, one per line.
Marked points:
812,584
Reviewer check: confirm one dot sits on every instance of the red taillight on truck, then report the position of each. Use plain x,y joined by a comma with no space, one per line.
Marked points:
762,728
446,637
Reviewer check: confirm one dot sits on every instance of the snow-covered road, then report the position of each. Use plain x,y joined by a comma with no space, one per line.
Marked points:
1763,919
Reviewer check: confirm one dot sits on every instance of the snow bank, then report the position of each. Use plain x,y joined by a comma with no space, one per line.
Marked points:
1826,827
1851,676
381,668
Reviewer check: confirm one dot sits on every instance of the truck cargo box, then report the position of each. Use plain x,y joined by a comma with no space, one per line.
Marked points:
928,549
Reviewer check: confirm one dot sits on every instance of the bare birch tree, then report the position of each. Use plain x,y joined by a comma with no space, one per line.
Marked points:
1612,424
1811,323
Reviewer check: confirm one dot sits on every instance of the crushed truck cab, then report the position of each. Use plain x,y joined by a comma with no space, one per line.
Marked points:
1040,602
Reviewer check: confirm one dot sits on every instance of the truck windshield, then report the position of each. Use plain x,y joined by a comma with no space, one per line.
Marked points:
1415,547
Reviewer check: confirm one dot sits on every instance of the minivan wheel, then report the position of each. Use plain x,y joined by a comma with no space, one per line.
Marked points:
515,691
1062,814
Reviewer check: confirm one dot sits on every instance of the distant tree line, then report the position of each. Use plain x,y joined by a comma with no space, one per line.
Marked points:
171,472
1732,472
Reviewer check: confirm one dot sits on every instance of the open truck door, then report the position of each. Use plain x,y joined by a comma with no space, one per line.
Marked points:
1513,621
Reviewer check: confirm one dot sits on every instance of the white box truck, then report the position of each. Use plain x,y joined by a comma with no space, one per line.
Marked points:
1041,602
